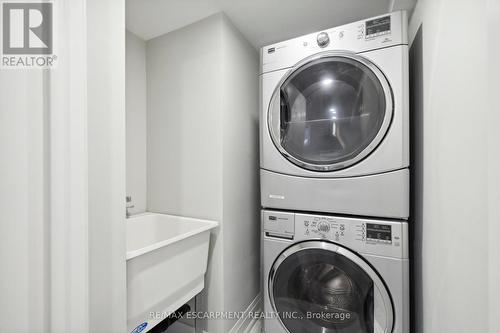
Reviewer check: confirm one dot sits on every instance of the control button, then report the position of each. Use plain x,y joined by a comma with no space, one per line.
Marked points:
324,227
323,39
306,223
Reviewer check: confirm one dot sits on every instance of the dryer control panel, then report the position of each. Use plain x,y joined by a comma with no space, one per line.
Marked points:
361,36
364,235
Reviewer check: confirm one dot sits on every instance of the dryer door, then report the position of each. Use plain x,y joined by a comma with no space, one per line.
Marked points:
330,111
320,287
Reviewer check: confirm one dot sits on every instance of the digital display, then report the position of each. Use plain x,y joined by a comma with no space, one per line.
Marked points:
378,26
379,232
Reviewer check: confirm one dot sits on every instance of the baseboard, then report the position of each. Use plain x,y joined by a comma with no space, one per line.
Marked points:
246,322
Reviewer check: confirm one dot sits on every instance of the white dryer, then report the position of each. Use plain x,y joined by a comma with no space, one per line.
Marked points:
335,121
332,274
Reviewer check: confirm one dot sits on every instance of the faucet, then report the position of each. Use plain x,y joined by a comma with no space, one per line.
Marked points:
128,199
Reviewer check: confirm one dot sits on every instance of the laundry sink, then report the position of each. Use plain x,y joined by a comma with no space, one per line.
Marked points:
166,264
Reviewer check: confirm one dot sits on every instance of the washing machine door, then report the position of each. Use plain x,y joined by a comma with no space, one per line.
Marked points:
320,287
330,111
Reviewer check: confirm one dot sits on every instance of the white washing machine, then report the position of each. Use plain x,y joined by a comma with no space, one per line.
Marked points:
331,274
335,120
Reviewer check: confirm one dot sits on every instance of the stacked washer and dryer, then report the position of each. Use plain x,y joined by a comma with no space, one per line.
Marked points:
335,179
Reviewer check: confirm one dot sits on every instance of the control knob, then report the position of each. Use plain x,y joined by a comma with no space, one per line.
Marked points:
324,227
323,39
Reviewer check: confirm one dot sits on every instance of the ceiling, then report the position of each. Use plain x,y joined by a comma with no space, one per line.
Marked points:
262,22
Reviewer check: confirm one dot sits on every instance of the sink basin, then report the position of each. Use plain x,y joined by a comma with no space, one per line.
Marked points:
166,264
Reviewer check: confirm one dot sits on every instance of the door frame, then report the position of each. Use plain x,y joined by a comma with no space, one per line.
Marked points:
86,188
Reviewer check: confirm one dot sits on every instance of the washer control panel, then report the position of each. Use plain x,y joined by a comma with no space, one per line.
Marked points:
387,238
376,232
278,224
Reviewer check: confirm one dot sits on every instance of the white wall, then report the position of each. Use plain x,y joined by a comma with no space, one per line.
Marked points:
202,151
185,137
24,232
184,122
136,123
455,152
241,200
493,160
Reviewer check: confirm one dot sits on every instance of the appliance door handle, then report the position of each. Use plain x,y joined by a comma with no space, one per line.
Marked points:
284,114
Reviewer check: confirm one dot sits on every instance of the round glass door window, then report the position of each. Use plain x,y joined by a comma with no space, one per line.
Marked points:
330,112
320,290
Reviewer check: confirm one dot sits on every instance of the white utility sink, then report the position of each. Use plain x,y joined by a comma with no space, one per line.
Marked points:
166,264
